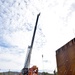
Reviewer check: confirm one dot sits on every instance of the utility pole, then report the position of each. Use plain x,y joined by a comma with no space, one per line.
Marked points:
43,65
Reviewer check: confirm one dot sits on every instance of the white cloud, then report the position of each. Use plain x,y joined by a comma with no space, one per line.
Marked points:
55,28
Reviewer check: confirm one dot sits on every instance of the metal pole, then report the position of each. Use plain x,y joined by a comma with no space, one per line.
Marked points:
43,65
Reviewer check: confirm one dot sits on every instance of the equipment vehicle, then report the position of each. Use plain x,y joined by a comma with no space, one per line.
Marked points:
34,69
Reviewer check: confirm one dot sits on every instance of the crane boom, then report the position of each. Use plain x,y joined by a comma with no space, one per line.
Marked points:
27,61
35,30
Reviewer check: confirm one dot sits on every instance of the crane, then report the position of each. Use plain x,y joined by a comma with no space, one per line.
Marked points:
27,70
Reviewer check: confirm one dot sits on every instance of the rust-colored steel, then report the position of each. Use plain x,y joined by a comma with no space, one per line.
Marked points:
65,57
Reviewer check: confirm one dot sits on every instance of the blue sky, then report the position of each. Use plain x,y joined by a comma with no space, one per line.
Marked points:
17,21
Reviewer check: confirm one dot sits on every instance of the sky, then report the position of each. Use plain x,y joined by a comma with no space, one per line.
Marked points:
17,21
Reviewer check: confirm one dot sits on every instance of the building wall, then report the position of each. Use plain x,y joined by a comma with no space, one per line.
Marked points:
65,57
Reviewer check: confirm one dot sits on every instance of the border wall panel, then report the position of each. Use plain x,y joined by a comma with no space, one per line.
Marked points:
65,57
